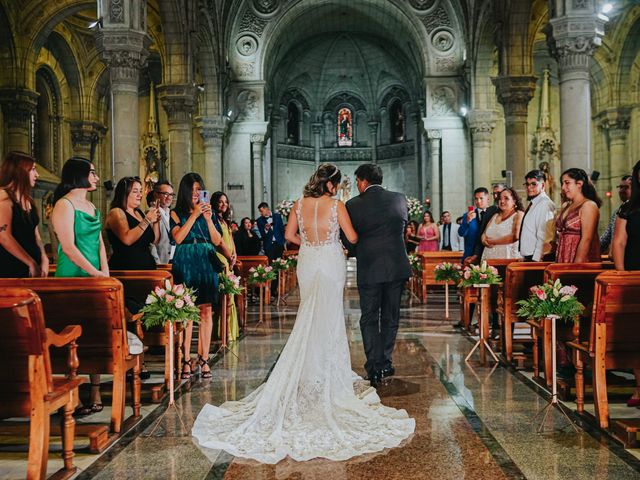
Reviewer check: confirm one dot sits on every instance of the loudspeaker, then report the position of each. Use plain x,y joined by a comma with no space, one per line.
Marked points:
108,185
595,175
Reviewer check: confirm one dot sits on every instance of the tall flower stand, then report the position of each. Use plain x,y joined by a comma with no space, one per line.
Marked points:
553,401
225,308
282,286
485,304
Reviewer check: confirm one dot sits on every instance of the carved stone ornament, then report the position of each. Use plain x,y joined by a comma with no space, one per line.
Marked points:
244,69
580,4
439,18
85,134
116,11
265,6
257,138
422,5
442,40
247,101
252,23
246,45
434,134
17,106
447,64
515,93
178,101
443,101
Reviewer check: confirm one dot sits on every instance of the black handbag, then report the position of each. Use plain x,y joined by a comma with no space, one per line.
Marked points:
216,263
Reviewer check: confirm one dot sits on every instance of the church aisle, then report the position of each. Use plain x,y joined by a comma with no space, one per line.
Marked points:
471,422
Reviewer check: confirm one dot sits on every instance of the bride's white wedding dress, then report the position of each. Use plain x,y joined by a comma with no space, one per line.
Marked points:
308,408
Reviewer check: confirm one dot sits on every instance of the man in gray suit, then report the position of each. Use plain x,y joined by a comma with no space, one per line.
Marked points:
379,217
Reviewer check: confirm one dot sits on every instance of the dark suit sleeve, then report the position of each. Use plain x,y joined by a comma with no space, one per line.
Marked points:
491,211
350,247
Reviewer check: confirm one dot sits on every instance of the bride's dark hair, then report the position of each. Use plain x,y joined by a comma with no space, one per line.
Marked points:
317,185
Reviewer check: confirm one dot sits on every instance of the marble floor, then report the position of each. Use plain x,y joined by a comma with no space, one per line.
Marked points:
471,421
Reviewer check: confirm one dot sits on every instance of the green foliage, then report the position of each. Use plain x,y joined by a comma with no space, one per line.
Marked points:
448,272
482,274
552,298
170,304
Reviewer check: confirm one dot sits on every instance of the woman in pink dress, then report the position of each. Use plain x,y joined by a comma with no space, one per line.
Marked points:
577,223
429,234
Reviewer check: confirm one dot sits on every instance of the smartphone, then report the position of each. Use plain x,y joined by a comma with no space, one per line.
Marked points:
204,196
471,208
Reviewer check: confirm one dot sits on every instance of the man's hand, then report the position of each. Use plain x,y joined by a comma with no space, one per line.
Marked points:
471,215
469,260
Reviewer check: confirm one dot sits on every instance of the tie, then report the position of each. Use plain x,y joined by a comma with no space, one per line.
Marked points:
480,215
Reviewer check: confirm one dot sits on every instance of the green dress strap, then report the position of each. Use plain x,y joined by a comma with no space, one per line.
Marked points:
86,234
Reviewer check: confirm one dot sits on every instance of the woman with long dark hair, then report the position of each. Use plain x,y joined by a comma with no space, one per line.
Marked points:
429,234
194,264
21,249
226,252
131,232
247,242
577,223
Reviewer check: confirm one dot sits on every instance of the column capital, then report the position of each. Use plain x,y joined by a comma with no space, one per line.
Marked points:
481,124
18,104
433,134
615,122
316,127
373,127
178,101
125,53
85,133
257,138
212,130
514,93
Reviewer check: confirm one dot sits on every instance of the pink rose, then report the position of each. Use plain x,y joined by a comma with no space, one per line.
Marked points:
178,289
483,276
169,298
568,290
179,303
467,274
541,295
159,292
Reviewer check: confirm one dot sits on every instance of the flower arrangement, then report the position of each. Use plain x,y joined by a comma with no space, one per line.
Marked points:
293,261
284,208
229,284
170,304
448,272
280,264
482,274
549,299
261,274
415,208
416,263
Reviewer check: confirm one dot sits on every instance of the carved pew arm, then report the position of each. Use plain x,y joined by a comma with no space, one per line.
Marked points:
68,336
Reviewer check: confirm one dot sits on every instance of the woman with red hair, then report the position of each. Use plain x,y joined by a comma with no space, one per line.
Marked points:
21,249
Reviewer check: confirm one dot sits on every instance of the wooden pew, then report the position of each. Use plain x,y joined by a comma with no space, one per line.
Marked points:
137,285
614,343
97,305
429,262
583,276
27,387
519,278
247,262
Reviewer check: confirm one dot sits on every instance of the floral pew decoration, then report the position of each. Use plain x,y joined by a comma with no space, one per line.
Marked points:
261,276
448,273
280,266
482,274
228,286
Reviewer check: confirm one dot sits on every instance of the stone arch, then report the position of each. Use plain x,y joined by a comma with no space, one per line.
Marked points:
629,58
61,51
48,118
7,49
174,17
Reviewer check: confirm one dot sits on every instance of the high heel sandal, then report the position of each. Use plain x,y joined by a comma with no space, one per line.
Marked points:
201,363
85,410
185,375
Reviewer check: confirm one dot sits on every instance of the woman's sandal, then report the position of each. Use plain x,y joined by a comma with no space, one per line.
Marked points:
95,407
201,363
185,374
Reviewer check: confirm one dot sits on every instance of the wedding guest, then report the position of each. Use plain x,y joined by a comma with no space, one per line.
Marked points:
577,223
226,252
536,233
130,231
234,227
196,264
411,239
162,251
624,192
21,249
500,238
457,240
81,251
473,224
445,231
246,240
626,254
271,229
428,233
495,192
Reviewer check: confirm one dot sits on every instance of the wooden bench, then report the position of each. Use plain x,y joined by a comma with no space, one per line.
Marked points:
97,305
27,387
614,342
518,279
248,262
137,285
429,262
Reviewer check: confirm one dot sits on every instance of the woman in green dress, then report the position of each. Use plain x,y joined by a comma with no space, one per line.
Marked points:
194,263
81,252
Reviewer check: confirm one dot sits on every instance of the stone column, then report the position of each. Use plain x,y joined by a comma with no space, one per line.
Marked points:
257,169
18,104
435,139
317,139
514,93
85,136
615,123
212,131
373,138
572,39
178,101
481,125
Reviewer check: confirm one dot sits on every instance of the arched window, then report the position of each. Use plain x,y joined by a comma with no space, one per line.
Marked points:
293,124
396,121
345,127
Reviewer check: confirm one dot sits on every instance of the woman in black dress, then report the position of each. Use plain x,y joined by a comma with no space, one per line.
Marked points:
625,247
21,249
247,242
129,230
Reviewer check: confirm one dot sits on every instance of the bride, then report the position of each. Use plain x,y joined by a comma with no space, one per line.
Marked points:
308,408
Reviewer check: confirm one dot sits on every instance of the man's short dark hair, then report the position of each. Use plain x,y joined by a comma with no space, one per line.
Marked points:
156,187
263,205
626,178
370,172
446,211
481,190
536,174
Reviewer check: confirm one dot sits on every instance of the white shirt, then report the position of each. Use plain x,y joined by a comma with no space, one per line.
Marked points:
536,231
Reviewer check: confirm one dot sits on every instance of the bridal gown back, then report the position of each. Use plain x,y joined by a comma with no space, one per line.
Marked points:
307,408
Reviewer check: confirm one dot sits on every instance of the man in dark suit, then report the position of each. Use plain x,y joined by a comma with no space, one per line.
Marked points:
271,228
379,217
474,224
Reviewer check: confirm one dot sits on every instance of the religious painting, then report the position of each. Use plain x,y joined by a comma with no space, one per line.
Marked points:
345,128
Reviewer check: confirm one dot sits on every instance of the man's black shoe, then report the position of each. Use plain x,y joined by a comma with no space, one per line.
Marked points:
387,372
375,379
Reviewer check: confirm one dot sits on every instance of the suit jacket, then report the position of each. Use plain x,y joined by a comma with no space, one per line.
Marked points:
275,233
379,217
472,231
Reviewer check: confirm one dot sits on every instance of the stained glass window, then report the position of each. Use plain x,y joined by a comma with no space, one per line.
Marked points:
345,128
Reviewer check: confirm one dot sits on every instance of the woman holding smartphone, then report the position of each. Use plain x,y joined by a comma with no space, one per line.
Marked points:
195,262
